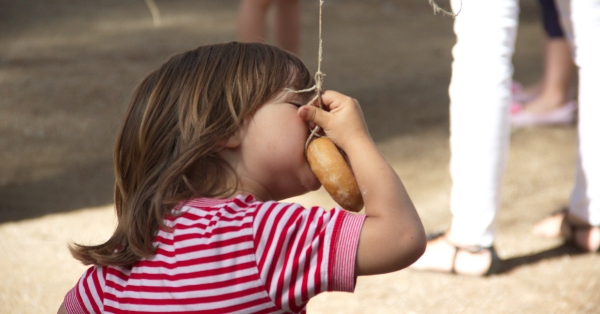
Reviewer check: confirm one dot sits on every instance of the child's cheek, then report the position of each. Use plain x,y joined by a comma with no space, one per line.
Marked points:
313,183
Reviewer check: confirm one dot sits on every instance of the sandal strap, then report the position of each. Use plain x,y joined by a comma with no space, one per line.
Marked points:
494,266
468,248
568,228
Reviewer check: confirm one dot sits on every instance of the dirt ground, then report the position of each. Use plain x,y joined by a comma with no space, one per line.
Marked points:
68,67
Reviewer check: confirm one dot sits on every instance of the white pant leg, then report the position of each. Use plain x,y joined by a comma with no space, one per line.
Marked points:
479,99
584,24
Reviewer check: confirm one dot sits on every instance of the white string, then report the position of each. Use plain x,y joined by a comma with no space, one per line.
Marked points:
437,9
154,11
318,87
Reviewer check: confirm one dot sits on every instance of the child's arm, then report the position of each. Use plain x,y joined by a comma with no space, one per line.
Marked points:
62,309
392,237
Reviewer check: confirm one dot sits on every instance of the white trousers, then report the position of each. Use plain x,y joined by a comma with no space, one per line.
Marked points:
582,25
479,99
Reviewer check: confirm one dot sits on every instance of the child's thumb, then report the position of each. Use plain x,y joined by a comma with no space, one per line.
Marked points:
313,114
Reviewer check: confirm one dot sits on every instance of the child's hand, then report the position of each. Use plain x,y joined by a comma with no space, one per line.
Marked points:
343,122
392,236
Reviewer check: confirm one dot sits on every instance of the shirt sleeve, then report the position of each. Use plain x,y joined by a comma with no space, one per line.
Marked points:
87,295
301,252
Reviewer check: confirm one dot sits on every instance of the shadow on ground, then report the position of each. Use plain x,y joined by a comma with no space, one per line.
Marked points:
511,264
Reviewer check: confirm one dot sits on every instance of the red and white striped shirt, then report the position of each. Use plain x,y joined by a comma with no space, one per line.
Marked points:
225,256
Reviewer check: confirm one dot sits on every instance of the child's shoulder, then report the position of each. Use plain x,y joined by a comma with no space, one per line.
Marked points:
240,201
250,204
205,205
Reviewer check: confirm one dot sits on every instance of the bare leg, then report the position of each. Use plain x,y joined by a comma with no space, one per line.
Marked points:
252,20
531,91
476,170
558,71
287,25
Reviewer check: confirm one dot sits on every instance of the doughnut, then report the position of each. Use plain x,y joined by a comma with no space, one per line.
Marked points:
334,173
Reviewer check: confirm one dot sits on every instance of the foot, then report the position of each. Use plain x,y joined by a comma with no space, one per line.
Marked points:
578,232
441,255
522,93
587,239
550,227
521,116
545,104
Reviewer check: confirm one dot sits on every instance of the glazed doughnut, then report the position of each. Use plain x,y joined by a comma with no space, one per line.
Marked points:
334,173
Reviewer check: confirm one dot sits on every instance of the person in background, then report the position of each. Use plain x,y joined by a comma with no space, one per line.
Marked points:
480,96
580,222
550,101
252,22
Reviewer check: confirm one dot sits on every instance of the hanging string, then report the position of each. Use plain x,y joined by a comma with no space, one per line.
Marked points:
438,9
154,11
319,76
318,87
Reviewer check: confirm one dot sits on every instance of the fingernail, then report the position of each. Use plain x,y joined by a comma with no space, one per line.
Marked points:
303,112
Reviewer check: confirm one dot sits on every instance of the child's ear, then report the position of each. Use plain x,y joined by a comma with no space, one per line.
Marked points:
233,141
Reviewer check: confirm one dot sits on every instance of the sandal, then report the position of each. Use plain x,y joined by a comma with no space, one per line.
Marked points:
495,262
562,115
516,90
568,229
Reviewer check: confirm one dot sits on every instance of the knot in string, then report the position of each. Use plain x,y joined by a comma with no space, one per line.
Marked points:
319,81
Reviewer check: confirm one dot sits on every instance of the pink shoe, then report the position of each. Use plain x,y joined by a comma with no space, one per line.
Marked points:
563,115
516,90
515,107
517,93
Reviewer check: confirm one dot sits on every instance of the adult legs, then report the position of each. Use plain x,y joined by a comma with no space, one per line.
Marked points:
584,207
582,23
556,80
585,201
252,21
553,89
287,25
479,100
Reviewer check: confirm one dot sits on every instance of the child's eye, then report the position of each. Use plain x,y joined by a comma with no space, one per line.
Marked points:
297,104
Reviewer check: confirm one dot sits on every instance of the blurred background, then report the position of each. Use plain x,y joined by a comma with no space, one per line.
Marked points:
67,69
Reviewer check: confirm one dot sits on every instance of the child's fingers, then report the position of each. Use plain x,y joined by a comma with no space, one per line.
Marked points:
333,99
314,115
329,100
341,119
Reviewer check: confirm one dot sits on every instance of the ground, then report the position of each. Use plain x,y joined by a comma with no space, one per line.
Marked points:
68,67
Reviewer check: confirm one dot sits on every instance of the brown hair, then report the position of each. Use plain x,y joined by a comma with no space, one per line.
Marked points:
166,150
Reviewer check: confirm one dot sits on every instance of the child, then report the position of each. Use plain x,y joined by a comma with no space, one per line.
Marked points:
211,143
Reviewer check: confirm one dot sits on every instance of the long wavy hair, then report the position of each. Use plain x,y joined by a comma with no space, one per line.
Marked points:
166,150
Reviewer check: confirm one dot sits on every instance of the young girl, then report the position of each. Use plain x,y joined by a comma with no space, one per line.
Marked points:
212,141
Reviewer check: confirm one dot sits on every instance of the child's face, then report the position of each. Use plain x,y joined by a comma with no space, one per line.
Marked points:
273,149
